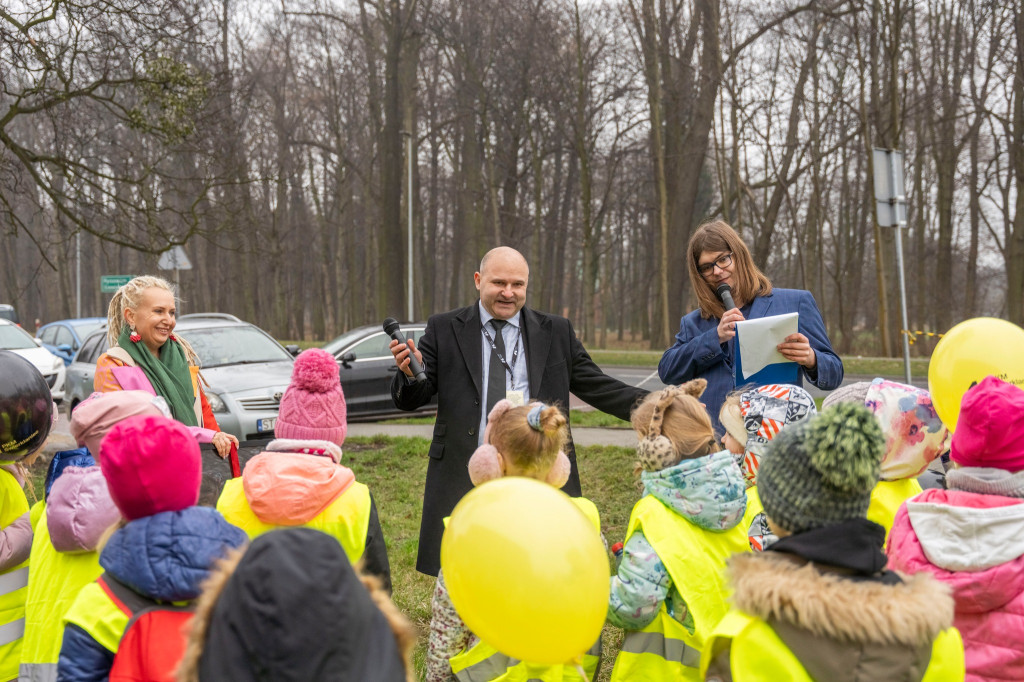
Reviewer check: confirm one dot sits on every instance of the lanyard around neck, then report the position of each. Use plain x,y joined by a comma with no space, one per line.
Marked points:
494,349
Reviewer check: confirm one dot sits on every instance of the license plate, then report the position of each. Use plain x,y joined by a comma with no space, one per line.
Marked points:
264,425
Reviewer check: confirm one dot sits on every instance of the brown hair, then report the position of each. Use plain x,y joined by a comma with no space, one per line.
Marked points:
129,296
685,422
530,450
223,569
748,280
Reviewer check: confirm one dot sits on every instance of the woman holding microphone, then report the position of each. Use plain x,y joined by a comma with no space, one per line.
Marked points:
704,346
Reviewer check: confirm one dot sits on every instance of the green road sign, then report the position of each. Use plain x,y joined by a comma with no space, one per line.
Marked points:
111,283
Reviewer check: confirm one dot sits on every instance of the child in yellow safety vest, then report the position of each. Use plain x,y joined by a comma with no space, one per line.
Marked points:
669,590
819,604
752,418
518,441
299,480
68,524
27,413
914,438
159,553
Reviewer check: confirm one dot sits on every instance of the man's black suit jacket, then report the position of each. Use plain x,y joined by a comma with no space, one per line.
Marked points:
557,364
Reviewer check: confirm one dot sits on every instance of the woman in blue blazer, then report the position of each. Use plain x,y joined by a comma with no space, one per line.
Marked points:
704,344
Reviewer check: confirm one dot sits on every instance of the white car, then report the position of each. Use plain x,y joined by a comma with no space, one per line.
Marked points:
17,340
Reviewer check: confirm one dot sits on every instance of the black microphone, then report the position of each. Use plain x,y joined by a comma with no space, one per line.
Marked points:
392,329
724,293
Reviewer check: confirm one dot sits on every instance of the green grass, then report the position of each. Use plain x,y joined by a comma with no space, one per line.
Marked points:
303,345
625,358
395,469
884,367
577,418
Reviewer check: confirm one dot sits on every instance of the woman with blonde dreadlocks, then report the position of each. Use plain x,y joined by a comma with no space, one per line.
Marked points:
669,590
146,355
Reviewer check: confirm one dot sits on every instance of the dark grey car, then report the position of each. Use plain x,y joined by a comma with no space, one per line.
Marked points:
367,367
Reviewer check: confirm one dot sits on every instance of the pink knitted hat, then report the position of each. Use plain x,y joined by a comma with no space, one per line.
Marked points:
990,429
152,465
97,414
313,406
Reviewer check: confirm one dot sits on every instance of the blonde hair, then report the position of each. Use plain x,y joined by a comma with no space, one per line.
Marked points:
213,587
128,296
747,281
685,422
532,451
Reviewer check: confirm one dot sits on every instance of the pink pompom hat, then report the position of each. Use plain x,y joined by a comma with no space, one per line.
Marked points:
313,406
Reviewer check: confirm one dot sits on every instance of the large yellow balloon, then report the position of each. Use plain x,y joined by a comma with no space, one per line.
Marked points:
526,570
969,352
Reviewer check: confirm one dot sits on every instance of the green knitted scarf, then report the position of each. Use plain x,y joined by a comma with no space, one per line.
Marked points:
170,374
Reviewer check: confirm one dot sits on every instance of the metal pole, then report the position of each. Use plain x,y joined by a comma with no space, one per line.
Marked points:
78,274
900,224
408,201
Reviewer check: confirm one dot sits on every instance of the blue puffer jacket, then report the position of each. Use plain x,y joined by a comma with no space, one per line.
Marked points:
165,557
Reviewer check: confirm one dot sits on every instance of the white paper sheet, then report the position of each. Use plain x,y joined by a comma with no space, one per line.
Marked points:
758,339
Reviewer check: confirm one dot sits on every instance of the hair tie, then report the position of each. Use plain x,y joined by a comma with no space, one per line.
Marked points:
533,416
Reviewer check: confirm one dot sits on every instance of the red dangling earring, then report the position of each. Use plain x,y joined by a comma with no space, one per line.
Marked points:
173,337
134,337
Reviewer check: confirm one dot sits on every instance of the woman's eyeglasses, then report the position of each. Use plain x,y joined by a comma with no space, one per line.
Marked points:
722,262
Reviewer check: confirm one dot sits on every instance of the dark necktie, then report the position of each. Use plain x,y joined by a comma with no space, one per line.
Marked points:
496,374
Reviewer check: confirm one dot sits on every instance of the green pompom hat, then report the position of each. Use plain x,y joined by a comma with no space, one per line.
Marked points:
822,471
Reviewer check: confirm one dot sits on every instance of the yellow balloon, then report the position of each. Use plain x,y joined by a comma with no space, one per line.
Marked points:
969,352
526,570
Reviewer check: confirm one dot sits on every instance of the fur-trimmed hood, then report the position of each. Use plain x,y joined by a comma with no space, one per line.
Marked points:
777,587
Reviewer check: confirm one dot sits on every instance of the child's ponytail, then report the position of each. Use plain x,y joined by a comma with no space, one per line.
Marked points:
529,439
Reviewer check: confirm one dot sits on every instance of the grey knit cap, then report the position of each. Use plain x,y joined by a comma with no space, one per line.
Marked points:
850,393
822,471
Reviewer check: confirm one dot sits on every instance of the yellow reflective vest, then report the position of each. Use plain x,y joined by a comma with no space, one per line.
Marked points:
886,499
347,518
484,663
757,653
695,559
13,582
55,578
95,613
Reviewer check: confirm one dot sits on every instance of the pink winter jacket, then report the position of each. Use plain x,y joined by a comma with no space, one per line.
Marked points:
975,544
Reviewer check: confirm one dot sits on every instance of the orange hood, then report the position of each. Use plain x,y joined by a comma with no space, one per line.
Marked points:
290,489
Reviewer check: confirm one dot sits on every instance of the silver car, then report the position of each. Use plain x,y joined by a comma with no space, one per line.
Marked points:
245,369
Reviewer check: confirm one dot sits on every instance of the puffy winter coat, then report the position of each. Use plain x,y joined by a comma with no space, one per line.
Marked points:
164,557
975,544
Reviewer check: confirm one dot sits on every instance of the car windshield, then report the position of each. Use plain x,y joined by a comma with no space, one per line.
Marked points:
15,338
85,328
346,339
221,346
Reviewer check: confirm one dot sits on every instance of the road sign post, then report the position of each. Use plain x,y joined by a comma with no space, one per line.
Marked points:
111,283
176,259
891,211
